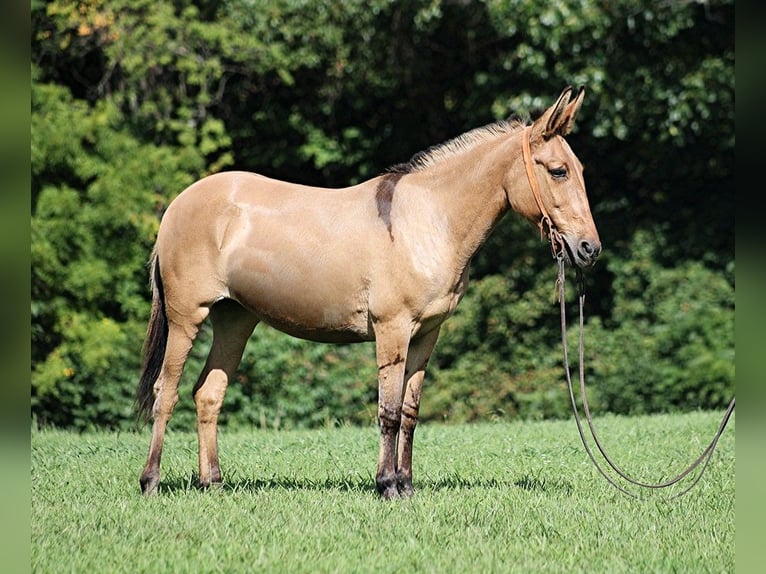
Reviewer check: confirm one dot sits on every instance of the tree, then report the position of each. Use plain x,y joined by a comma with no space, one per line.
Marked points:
132,101
96,194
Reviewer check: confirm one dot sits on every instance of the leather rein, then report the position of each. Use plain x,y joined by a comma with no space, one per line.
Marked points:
558,248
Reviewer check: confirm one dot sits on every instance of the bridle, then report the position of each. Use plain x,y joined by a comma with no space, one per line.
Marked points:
546,223
558,248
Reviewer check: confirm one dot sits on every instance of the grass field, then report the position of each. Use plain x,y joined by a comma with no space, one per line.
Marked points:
506,498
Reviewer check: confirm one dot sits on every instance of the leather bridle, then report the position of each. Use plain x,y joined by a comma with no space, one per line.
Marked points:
545,224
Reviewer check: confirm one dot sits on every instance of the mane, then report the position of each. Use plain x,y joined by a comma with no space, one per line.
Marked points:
462,143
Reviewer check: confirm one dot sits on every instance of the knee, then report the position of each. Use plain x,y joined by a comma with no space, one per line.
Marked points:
210,391
389,418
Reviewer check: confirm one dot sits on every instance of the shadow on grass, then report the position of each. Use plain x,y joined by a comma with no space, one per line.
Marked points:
363,484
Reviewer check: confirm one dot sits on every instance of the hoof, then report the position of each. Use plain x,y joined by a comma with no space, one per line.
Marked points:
400,487
210,485
391,493
150,483
405,488
210,480
387,487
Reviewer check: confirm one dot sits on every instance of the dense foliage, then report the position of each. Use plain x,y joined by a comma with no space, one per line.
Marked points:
133,100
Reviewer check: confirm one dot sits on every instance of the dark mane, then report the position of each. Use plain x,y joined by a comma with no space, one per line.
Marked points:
468,140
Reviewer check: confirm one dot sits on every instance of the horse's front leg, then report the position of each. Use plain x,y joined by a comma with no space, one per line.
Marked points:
417,361
391,349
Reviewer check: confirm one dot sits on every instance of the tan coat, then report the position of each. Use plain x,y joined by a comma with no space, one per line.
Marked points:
386,260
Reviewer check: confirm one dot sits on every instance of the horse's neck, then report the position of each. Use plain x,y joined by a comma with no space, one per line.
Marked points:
469,190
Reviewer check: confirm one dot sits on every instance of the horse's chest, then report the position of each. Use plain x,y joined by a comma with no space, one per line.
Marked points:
442,306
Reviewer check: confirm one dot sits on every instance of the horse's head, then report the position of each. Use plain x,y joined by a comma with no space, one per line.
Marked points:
555,176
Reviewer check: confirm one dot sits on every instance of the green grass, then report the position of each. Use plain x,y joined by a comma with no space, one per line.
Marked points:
506,498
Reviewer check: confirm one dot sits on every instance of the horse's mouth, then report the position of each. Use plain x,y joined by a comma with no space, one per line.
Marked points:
568,255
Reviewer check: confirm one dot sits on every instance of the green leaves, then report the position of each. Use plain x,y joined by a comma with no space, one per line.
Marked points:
670,340
97,192
134,100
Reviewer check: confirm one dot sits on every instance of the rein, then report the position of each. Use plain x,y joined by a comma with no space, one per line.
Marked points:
702,458
558,248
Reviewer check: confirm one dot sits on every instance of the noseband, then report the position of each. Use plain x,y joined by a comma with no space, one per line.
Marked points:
546,223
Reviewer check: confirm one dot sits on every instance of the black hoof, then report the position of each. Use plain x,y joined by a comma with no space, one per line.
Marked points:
387,487
150,483
405,487
392,488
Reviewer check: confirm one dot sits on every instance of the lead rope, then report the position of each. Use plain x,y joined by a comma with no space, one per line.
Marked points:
704,457
558,248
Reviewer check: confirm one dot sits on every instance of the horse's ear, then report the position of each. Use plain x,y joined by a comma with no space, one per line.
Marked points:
559,118
570,112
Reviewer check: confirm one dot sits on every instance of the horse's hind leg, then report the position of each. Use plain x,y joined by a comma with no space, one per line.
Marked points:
417,360
179,343
232,326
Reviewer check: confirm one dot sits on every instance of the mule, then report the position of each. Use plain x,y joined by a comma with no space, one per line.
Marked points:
384,261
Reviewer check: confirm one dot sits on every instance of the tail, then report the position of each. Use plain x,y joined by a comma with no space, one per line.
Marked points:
154,345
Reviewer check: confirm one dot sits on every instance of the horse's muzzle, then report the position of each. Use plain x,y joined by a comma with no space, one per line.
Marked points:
586,253
583,254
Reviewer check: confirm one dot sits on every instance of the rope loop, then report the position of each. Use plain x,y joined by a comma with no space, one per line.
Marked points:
702,459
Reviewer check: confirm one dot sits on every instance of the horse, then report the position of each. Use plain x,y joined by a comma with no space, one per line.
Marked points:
384,261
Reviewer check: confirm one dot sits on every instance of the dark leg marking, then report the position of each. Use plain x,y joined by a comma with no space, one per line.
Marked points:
398,360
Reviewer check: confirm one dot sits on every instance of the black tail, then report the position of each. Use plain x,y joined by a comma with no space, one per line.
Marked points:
154,345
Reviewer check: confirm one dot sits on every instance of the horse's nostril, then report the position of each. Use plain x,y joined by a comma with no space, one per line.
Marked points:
590,250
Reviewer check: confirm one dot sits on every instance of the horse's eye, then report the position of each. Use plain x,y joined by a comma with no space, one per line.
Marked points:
558,172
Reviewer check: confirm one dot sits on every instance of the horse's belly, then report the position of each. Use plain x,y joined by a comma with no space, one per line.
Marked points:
310,304
324,334
317,321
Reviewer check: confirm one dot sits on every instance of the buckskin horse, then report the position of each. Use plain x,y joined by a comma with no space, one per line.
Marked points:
386,260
